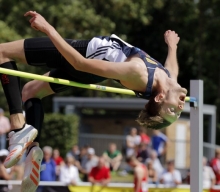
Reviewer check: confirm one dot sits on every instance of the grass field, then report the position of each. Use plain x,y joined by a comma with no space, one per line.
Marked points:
115,178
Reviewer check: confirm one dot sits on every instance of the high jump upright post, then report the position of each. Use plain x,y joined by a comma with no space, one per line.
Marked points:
196,136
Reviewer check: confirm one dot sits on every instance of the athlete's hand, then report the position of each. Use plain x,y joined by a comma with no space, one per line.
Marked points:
171,38
38,22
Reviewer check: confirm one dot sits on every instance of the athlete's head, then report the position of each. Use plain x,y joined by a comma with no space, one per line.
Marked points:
69,160
132,161
163,108
173,104
101,162
170,165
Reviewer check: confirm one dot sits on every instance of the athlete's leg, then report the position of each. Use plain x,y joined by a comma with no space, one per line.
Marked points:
35,52
32,93
38,52
11,85
116,165
35,90
22,134
12,51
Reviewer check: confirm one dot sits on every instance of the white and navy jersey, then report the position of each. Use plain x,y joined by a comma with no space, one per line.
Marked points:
113,49
109,48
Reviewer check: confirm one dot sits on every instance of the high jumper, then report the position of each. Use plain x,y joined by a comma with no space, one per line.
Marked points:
84,61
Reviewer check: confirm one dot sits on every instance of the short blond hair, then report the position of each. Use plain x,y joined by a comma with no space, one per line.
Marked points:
150,118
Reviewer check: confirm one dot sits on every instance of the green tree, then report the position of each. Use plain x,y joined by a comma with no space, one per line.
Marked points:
60,131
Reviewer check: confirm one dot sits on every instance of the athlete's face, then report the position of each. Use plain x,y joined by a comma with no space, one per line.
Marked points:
131,163
173,104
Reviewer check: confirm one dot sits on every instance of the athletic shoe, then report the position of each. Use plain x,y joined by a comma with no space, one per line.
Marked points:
18,142
32,169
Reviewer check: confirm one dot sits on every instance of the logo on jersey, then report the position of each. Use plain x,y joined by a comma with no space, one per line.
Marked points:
151,61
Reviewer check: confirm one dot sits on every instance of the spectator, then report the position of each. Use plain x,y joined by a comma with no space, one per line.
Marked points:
113,157
4,128
92,161
132,141
140,174
159,143
171,177
156,162
208,175
4,123
69,173
49,174
186,179
16,171
58,160
74,152
144,137
152,174
100,174
143,152
215,164
19,171
83,157
5,174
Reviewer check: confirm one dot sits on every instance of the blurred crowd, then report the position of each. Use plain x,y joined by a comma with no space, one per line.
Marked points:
81,163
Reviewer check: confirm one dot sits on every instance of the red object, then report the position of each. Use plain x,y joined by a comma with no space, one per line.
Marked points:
100,173
214,190
145,138
58,160
144,179
5,79
215,164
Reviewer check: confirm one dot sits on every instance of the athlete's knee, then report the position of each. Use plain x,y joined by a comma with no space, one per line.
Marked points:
12,51
29,91
4,55
36,89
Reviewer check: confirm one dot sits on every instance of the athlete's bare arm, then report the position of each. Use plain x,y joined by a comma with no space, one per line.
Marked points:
172,39
139,174
4,174
120,71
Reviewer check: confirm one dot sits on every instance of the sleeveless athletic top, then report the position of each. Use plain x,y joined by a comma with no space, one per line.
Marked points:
144,183
113,49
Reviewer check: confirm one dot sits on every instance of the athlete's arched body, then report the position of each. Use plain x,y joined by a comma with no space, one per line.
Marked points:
88,61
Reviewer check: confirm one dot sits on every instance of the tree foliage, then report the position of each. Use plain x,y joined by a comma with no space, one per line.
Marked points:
60,131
